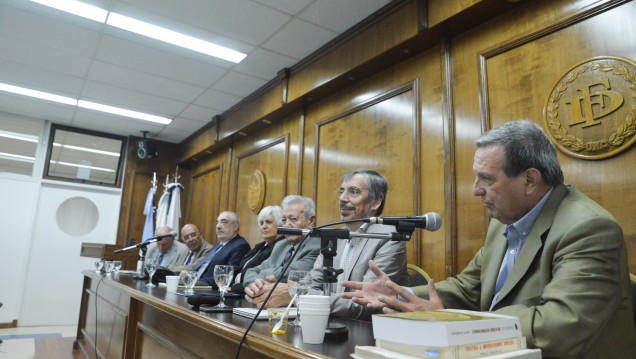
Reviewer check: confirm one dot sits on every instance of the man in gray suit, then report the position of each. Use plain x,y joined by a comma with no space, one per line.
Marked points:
552,256
167,250
197,245
298,212
362,194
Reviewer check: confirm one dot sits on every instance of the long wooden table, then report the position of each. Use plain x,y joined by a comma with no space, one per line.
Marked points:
121,318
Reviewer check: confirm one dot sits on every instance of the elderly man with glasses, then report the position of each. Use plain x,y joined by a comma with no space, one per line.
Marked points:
198,248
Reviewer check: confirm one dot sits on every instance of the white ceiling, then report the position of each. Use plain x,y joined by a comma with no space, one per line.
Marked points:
48,50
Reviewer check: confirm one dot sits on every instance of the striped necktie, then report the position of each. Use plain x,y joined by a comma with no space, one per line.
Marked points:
160,258
188,258
288,256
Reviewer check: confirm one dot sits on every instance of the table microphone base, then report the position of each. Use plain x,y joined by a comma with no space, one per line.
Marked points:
336,331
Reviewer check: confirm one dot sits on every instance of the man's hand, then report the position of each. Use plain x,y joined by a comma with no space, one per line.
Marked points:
258,291
382,293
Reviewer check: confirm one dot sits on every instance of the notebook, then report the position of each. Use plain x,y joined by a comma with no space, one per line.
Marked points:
251,312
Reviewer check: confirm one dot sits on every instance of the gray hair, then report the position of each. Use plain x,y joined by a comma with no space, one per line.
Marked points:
233,217
310,206
525,145
275,212
375,182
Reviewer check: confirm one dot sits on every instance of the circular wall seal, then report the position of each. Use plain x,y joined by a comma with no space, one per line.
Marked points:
591,111
256,192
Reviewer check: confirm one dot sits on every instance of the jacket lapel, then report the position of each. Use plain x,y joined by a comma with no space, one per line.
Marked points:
532,246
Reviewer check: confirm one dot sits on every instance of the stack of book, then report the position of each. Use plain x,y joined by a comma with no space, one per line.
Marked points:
448,333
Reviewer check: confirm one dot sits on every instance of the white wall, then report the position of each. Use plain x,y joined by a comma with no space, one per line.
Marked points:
65,217
40,263
16,218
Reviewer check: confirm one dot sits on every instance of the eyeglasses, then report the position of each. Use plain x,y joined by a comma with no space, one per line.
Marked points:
352,192
192,235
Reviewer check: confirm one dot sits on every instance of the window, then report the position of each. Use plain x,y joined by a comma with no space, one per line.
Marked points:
19,140
85,156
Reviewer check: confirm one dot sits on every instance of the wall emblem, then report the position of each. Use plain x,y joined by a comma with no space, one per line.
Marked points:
256,192
591,112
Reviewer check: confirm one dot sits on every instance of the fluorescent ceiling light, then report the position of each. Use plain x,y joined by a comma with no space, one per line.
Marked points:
12,157
85,149
82,166
77,8
143,28
123,112
173,37
20,136
85,104
38,94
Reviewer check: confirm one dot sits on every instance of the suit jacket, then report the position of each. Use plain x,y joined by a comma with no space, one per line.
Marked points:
196,257
304,260
257,255
389,255
230,254
569,287
170,258
254,257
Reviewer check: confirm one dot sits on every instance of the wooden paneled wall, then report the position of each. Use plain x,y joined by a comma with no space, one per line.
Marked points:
409,103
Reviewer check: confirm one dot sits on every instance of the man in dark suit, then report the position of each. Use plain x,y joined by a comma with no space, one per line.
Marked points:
229,250
552,256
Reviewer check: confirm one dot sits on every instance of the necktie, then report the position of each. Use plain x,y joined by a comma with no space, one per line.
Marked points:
188,259
160,259
288,256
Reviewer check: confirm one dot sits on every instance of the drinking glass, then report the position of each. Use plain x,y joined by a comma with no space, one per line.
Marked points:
117,266
110,267
189,280
151,267
222,277
298,282
98,266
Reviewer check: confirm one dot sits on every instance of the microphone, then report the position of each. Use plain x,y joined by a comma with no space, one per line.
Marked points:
161,236
430,221
293,231
198,299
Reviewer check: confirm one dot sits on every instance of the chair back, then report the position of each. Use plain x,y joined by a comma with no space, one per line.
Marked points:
417,275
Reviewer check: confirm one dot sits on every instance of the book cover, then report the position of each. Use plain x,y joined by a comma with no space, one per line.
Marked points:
443,328
369,352
465,351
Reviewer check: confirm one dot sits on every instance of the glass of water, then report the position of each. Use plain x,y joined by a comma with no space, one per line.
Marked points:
222,277
98,266
189,280
298,282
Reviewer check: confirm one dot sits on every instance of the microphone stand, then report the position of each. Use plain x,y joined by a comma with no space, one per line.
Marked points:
143,247
328,246
328,249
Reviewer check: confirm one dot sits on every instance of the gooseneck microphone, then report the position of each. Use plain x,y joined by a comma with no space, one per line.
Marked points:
430,221
293,231
197,300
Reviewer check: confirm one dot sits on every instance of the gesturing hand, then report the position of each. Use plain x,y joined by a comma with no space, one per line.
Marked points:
383,293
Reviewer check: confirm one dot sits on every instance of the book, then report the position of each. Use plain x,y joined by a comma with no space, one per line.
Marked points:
251,313
464,351
443,328
369,352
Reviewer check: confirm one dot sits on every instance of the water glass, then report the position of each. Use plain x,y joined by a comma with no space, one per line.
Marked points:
298,282
98,266
223,275
189,280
